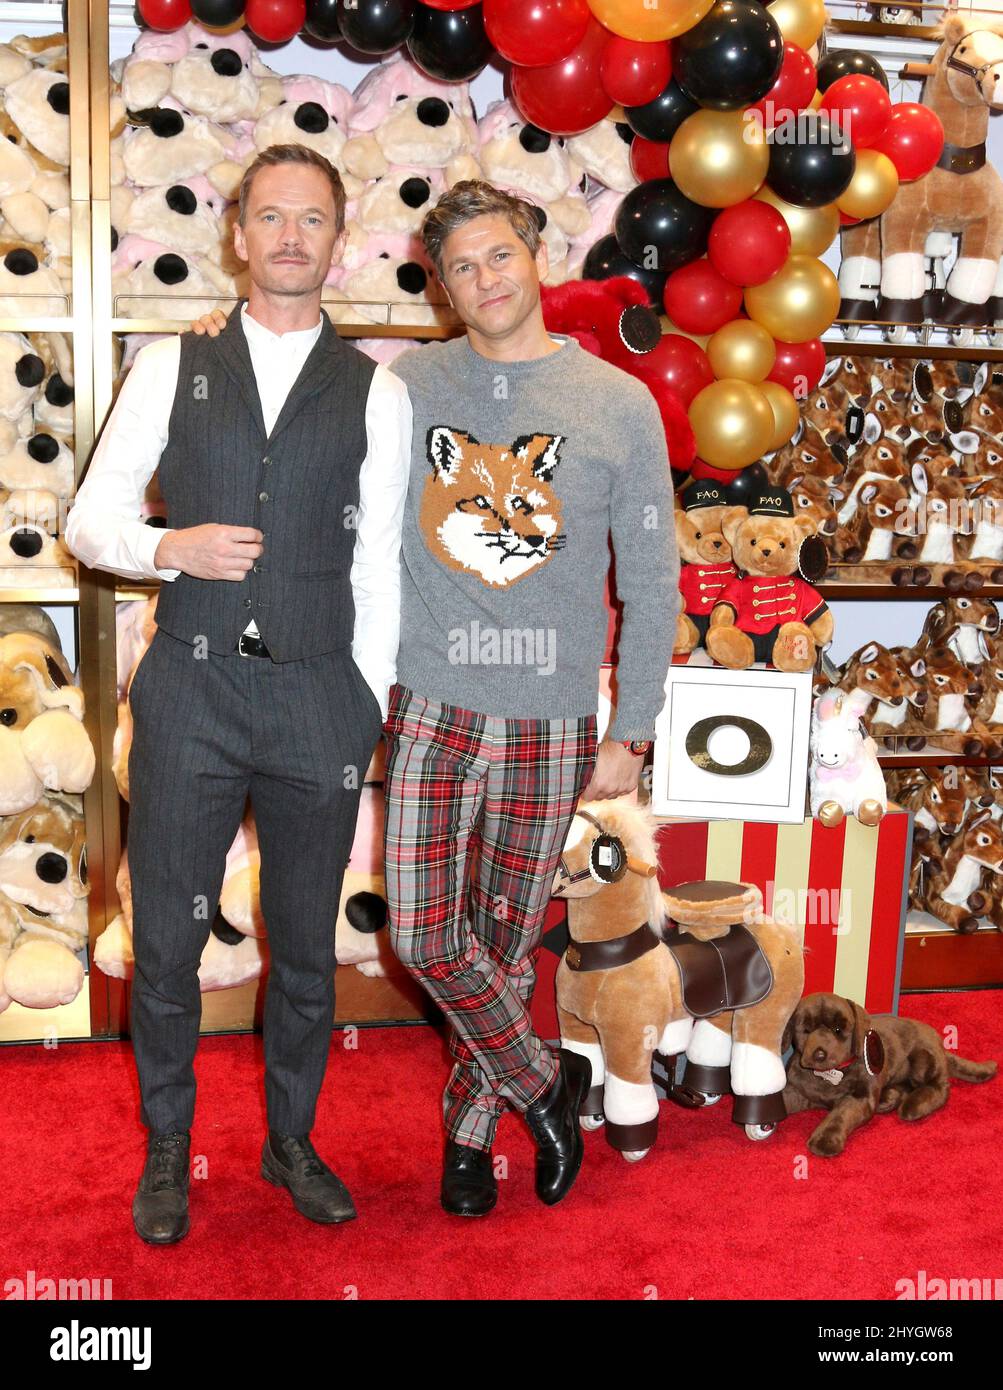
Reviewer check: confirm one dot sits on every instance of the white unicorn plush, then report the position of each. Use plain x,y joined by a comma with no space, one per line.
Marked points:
845,777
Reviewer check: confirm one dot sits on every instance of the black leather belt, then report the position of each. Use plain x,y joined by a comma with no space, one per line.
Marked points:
252,646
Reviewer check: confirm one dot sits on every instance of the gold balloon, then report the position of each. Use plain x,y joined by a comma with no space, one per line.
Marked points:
816,100
873,186
633,19
786,414
230,28
798,303
813,230
800,21
732,423
717,158
741,350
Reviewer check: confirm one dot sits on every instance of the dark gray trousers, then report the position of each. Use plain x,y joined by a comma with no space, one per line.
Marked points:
207,732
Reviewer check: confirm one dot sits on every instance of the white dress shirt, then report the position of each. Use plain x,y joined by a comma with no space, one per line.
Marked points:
104,528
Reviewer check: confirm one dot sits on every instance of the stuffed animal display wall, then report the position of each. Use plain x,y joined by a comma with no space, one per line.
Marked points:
900,465
196,107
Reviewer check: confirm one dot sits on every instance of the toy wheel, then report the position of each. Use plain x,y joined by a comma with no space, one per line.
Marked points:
635,1155
591,1122
709,1100
758,1132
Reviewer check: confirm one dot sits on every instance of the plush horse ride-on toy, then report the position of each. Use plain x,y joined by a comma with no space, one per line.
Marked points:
698,970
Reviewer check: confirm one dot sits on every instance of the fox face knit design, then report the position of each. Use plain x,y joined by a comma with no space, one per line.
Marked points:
489,509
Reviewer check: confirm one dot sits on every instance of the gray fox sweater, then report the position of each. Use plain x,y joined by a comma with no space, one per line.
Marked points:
521,472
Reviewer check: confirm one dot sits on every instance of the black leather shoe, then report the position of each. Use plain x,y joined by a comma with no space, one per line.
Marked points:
469,1187
160,1206
318,1194
553,1122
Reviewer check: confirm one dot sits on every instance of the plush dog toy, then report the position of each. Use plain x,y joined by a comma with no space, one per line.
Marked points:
706,565
855,1066
43,743
43,903
770,614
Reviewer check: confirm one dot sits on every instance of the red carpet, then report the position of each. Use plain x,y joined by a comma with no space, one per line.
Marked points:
707,1215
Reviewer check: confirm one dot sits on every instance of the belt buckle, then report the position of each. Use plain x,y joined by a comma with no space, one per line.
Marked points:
240,645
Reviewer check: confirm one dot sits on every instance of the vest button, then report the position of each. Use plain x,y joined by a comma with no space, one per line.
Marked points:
266,460
256,568
247,603
262,496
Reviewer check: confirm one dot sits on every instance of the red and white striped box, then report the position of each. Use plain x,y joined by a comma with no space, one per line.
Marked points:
844,888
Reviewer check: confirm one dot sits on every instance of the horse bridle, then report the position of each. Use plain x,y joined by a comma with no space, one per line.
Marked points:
969,69
608,859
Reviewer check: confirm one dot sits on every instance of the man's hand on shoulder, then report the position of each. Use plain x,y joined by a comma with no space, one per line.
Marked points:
211,551
211,324
616,773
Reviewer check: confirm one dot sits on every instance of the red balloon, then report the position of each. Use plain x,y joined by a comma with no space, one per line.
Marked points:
862,107
565,98
165,15
799,366
681,364
634,73
275,21
749,242
536,33
913,139
845,220
793,89
700,300
648,160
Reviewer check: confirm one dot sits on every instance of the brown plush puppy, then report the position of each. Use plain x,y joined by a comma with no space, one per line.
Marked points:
855,1067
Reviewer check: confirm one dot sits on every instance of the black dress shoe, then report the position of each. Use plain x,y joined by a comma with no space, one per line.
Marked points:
469,1187
318,1194
553,1122
160,1206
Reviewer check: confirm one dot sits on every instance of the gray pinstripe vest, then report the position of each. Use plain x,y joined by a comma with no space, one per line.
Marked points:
299,486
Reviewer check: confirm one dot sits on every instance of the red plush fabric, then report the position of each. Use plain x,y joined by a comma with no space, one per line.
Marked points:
708,1214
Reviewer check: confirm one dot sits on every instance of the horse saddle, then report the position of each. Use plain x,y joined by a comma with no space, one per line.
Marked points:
727,972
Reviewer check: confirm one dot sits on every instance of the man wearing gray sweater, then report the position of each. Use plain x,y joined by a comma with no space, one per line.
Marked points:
529,454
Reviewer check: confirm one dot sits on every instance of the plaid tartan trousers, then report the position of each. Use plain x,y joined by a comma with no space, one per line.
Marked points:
477,813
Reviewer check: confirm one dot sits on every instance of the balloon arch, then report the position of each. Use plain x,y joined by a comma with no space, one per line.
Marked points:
751,154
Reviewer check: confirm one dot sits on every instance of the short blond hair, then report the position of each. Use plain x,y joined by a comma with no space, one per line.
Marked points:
472,198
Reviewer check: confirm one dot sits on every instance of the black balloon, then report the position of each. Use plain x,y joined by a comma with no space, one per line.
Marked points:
659,228
731,58
846,62
660,119
451,45
217,12
816,167
376,26
747,484
322,20
605,259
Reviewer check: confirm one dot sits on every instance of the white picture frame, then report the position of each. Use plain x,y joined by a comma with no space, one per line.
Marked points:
685,779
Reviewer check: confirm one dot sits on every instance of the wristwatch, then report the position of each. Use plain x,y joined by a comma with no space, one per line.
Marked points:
636,746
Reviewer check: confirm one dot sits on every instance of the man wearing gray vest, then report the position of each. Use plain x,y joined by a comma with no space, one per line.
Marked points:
283,457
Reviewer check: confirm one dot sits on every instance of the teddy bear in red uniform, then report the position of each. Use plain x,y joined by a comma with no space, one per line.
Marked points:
707,567
770,614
